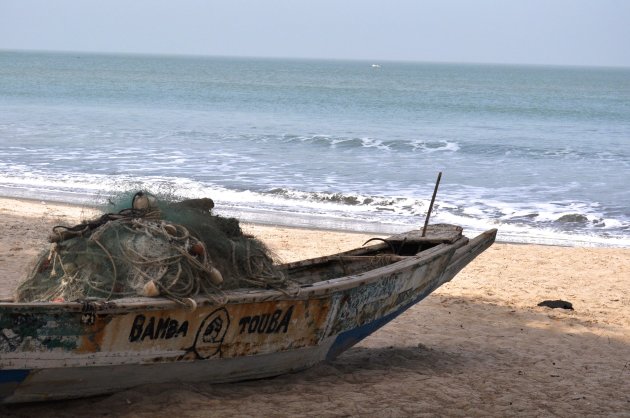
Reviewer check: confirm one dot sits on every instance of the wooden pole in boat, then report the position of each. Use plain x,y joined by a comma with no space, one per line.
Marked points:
426,222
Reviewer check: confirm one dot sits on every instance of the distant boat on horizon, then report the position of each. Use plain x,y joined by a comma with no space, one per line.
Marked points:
376,66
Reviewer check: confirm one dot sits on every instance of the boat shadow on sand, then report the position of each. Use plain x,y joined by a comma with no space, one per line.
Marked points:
445,356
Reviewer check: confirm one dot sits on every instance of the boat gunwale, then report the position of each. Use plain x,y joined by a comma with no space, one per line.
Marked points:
320,289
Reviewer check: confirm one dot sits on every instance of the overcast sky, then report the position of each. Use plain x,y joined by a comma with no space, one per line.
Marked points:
564,32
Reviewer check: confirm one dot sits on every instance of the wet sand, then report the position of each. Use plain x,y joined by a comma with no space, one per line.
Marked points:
479,346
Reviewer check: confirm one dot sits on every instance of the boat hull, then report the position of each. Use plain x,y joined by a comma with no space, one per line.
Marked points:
68,350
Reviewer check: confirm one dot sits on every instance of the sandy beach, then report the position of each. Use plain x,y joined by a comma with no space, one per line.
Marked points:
479,346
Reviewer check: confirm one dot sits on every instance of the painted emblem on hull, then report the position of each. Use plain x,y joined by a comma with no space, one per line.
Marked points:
211,334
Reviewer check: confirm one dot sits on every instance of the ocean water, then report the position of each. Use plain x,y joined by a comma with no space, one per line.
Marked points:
541,153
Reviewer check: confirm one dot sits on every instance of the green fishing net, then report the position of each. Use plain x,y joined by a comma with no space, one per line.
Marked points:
175,249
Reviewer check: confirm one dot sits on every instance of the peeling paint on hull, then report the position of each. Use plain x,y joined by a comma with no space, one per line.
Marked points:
69,350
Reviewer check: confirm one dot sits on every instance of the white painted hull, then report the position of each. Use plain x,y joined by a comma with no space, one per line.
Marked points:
83,381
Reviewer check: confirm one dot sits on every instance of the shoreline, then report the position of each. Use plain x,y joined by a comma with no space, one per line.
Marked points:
478,346
74,208
88,211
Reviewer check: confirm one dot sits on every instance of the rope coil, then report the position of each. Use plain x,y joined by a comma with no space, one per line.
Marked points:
173,252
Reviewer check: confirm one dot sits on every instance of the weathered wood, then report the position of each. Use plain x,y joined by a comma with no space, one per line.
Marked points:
70,349
426,221
436,234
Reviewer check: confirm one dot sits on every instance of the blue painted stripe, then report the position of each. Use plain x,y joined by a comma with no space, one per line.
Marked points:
10,380
13,376
347,339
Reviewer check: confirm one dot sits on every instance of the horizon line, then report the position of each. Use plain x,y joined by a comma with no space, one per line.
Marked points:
304,58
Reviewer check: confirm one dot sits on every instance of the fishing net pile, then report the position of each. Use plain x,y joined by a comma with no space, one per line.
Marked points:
154,248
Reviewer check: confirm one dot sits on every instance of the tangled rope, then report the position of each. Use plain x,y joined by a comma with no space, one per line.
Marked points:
138,253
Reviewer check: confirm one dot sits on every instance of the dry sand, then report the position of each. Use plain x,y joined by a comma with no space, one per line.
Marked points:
479,346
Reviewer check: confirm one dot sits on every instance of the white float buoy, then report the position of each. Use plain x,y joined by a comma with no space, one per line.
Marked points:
150,289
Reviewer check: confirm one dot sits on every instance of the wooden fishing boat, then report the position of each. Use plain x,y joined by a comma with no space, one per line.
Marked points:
75,349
